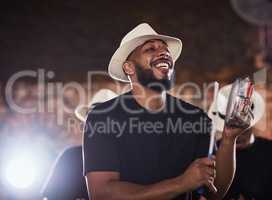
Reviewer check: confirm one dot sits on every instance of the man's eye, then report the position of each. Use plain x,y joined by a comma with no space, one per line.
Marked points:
150,49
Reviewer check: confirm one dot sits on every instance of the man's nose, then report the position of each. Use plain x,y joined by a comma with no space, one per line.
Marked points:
164,53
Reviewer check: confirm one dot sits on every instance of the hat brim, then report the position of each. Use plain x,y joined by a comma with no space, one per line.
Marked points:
81,112
101,96
115,69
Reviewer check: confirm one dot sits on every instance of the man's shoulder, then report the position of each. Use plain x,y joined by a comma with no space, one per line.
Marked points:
74,151
187,107
108,107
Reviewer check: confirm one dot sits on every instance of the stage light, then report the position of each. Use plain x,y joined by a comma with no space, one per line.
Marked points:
25,164
22,171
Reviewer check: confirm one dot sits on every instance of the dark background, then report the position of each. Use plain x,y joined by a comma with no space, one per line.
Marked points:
71,37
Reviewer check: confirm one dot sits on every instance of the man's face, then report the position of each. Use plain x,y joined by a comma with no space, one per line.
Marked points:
153,65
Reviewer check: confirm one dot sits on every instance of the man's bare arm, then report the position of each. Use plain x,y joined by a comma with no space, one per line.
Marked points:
225,162
107,185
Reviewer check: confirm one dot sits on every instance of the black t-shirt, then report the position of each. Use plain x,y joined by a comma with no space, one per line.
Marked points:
253,177
144,147
66,181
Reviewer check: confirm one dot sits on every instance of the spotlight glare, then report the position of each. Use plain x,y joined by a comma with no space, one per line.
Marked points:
21,172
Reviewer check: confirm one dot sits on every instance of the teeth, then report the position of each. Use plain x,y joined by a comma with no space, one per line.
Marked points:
163,65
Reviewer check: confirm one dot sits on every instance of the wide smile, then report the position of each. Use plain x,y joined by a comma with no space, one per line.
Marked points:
162,63
162,66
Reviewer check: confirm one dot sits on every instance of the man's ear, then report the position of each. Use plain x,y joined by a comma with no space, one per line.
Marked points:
129,68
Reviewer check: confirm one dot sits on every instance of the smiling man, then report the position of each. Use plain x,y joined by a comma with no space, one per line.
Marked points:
165,156
154,72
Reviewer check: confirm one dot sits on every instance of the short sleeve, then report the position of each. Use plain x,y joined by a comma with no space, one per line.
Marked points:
100,152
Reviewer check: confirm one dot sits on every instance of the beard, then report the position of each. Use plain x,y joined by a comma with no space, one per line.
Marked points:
147,79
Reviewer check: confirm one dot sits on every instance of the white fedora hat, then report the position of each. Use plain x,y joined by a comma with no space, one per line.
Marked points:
101,96
217,112
138,36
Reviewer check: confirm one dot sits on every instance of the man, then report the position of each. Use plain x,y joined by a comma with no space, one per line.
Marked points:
252,179
146,144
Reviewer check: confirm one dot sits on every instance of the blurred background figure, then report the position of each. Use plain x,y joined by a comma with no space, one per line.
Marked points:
101,96
252,180
253,157
66,180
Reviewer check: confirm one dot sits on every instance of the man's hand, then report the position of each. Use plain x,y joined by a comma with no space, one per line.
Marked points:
200,173
233,133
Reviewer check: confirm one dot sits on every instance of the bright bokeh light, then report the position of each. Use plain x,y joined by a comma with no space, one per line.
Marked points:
22,171
25,163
